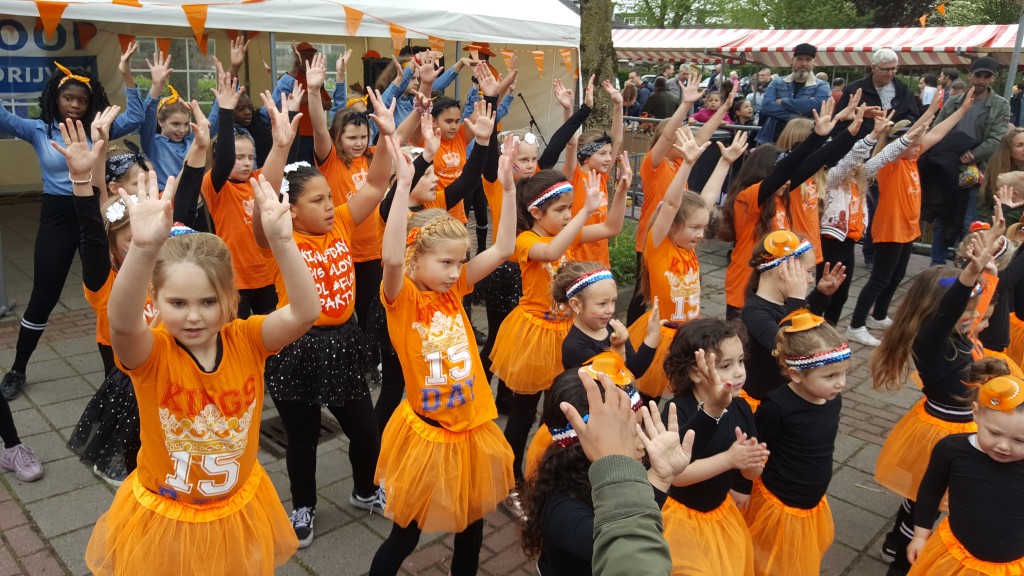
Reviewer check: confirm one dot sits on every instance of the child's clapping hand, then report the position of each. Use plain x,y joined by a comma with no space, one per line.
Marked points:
668,457
746,454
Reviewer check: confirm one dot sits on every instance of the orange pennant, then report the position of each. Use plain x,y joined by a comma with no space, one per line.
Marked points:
538,57
923,19
203,44
507,55
397,37
436,44
566,57
353,18
164,45
576,74
132,3
941,8
125,40
50,13
196,14
232,34
84,32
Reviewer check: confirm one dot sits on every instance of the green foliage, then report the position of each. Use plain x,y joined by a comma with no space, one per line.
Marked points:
622,249
747,13
970,12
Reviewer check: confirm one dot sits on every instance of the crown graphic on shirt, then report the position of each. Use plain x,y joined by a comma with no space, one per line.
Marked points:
685,284
443,332
451,159
208,432
358,179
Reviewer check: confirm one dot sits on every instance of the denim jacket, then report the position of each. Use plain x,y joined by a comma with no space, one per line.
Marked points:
807,99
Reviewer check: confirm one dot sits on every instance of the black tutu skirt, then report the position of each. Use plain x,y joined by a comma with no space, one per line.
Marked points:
107,435
501,290
328,365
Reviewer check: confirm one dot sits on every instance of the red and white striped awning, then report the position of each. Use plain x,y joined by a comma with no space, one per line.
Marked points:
673,45
853,47
1001,45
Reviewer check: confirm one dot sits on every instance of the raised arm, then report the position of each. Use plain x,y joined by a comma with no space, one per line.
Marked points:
482,126
567,132
190,179
340,96
617,211
393,242
505,236
616,131
713,187
555,249
691,92
284,127
936,134
227,96
239,46
316,72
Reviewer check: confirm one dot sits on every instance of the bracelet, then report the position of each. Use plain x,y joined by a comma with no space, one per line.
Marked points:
424,111
700,407
80,182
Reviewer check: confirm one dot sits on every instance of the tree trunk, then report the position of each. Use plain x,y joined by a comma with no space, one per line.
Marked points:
598,57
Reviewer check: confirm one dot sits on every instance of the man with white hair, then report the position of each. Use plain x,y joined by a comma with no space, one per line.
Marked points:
794,96
882,88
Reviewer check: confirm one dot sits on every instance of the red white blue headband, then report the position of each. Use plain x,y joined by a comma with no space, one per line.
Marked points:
566,436
551,193
947,282
802,363
800,249
586,280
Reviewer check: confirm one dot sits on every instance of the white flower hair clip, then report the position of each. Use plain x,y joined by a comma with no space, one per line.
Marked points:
284,186
295,166
117,210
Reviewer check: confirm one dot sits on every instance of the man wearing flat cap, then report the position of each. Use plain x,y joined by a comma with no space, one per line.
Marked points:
793,96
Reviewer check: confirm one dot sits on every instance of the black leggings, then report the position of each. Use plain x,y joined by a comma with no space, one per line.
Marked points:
891,259
256,301
402,541
392,381
479,206
302,423
637,306
836,252
107,354
8,431
902,533
56,243
517,428
369,275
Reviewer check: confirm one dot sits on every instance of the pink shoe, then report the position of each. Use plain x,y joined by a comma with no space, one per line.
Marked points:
23,462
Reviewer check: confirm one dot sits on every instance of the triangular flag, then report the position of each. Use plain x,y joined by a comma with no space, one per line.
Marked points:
84,32
353,18
132,3
232,34
923,19
538,57
203,43
196,14
507,55
125,40
436,44
941,8
50,13
566,57
397,37
164,45
576,74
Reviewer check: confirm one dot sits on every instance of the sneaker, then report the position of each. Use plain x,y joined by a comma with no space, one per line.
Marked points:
862,336
888,551
374,503
302,523
514,506
878,324
12,384
22,461
115,482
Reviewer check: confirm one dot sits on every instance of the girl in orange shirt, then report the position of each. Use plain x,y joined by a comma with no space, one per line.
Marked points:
527,351
199,501
896,224
445,430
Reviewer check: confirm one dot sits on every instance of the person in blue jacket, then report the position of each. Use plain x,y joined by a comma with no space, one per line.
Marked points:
794,96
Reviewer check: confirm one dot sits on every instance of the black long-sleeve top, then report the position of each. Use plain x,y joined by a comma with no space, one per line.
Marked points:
456,191
224,147
189,207
710,438
762,317
577,348
93,246
802,162
561,138
942,355
986,499
801,437
997,335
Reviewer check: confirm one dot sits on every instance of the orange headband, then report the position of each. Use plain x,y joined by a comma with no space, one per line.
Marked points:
172,99
69,76
351,101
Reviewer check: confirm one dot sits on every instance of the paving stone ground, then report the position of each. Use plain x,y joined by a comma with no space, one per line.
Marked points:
45,525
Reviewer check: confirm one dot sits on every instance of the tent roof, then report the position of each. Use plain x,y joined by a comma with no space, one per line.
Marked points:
853,47
546,22
669,44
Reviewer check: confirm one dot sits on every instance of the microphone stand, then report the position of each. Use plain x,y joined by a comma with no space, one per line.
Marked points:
533,121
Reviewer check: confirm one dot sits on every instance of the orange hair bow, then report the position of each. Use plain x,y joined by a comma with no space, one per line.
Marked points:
351,101
69,76
412,236
172,99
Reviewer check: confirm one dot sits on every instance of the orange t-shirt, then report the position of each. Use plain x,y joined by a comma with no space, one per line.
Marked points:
806,220
674,278
655,181
494,192
596,251
536,299
745,215
444,378
201,430
330,262
231,210
898,215
98,300
448,164
345,181
305,123
858,214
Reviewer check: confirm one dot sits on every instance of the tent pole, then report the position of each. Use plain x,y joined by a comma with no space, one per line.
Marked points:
458,50
1011,76
273,58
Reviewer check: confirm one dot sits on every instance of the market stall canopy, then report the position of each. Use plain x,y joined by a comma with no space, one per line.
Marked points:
935,47
673,44
547,22
1001,45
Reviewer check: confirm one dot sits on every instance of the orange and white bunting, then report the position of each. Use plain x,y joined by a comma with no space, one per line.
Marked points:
538,57
353,18
507,56
397,37
50,14
196,14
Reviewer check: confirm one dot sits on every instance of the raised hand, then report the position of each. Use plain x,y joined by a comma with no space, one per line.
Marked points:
823,120
488,83
341,66
429,69
745,453
227,91
100,127
151,216
594,195
858,119
383,115
239,46
618,334
80,157
977,255
200,126
274,213
735,150
732,97
1006,196
916,133
720,396
124,65
793,278
506,165
850,110
832,279
563,95
481,122
431,136
282,128
882,125
625,179
668,457
687,145
612,91
588,92
654,324
292,101
160,68
611,428
692,91
509,81
316,73
403,166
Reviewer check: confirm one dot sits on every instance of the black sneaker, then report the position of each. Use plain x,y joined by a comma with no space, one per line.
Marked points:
302,523
373,503
888,551
12,384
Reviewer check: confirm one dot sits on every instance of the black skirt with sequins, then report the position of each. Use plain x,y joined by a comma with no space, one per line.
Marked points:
502,288
328,365
107,435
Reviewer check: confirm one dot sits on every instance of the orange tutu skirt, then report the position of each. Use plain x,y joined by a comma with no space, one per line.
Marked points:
538,446
143,533
654,382
443,480
750,400
905,454
1016,348
944,554
715,543
774,527
527,352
